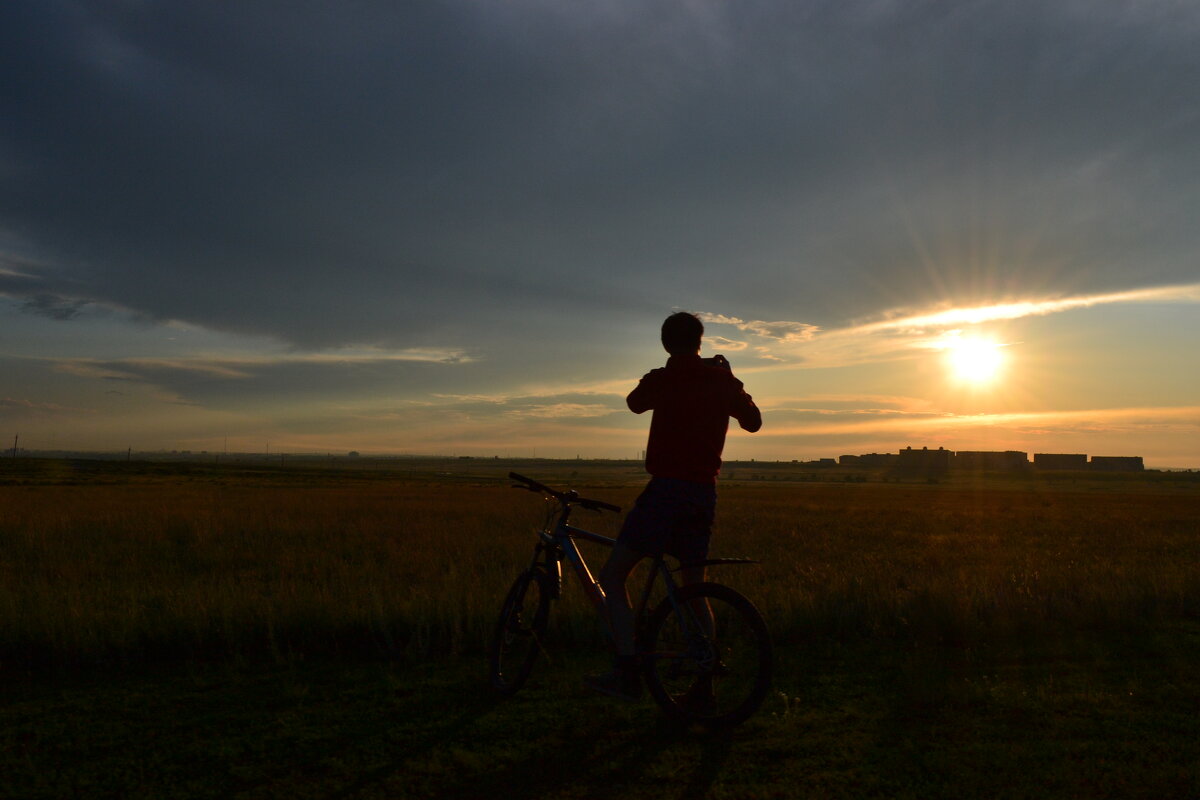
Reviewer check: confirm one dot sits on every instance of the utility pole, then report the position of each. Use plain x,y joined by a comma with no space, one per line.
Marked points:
16,438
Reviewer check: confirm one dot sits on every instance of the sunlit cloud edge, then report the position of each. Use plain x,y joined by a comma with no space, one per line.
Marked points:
899,334
974,315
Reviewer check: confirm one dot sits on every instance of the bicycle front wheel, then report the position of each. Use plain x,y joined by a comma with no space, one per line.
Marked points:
517,639
708,656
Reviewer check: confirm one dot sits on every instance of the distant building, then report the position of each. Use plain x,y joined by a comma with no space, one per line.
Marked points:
990,460
1060,460
1117,463
923,460
877,459
926,461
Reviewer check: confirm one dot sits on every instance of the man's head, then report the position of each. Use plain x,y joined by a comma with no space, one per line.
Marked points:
681,334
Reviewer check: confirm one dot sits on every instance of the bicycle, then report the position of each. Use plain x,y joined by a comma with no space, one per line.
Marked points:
679,647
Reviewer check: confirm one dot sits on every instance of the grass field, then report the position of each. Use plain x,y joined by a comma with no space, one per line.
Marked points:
202,630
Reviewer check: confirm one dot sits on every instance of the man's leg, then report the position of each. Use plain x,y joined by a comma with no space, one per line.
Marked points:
701,608
624,680
701,507
612,579
699,697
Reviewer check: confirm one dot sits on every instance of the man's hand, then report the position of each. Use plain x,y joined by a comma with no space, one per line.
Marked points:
719,361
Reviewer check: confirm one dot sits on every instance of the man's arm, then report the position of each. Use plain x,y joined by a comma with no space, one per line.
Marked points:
643,397
744,410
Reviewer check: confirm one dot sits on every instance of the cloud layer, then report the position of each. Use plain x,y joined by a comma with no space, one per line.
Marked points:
415,175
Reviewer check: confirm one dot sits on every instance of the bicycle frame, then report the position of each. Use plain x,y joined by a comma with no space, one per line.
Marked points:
559,544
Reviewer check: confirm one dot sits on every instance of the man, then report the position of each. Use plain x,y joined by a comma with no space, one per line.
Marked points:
692,399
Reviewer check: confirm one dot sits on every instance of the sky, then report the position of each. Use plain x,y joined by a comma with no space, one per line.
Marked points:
456,227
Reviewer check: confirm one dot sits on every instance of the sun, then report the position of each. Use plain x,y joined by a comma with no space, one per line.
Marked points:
975,361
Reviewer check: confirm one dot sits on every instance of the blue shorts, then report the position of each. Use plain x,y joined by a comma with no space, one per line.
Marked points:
671,516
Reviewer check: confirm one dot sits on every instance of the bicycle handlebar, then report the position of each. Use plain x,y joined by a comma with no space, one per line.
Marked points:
568,498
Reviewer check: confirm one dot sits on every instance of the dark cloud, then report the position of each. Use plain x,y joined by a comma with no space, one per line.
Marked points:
60,308
459,172
230,385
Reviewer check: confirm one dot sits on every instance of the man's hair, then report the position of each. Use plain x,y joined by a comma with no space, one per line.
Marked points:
681,333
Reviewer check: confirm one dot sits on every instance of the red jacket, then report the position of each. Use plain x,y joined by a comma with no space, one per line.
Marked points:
693,400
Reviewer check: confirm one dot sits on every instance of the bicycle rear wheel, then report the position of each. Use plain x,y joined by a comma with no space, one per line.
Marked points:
715,674
517,638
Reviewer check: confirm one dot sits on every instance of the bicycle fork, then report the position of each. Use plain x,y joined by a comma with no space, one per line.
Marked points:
696,637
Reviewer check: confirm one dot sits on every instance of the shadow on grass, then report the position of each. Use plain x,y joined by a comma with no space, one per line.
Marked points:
714,754
443,736
609,759
476,703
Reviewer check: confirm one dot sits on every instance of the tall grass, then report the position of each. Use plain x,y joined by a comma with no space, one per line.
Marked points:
127,574
112,574
960,566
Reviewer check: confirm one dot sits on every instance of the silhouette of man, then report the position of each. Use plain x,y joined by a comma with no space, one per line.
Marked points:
692,399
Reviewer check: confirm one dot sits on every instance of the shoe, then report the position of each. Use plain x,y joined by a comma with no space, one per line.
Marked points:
616,683
698,700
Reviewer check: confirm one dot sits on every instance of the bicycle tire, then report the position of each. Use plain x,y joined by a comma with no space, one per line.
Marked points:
678,657
520,628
